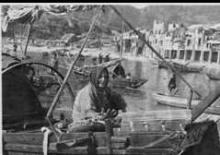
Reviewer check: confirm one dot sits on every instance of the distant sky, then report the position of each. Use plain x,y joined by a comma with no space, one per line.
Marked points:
139,5
142,5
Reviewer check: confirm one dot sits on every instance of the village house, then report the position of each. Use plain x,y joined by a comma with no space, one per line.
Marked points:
176,42
197,43
156,38
162,38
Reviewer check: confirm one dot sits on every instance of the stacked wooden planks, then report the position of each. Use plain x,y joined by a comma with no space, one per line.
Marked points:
31,143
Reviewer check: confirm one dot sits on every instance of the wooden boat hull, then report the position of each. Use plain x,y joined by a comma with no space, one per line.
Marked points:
213,77
124,83
31,144
182,102
118,82
157,142
213,74
184,68
123,141
153,140
173,101
181,67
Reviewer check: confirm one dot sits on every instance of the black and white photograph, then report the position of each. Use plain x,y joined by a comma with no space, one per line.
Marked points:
110,78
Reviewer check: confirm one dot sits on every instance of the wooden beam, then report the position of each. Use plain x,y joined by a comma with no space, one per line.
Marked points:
29,149
142,150
39,149
37,138
139,139
213,110
104,150
119,139
28,38
204,104
180,114
119,145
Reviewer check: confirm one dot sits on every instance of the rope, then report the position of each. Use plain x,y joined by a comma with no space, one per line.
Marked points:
153,50
46,133
68,74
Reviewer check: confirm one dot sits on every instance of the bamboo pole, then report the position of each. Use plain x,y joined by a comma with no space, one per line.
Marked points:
122,40
69,72
204,104
13,33
56,98
153,50
28,39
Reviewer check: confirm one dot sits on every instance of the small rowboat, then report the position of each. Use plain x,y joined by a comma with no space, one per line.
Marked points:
181,67
213,75
181,102
116,82
173,101
126,83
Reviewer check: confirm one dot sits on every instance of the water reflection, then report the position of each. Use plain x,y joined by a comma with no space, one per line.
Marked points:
139,99
148,70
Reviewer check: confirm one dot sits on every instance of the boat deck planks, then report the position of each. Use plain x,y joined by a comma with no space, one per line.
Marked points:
151,151
181,103
180,114
37,138
119,144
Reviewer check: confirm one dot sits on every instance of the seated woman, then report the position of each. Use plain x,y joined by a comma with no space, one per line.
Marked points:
96,101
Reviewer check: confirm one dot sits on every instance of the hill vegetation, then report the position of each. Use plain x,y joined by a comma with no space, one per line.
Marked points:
54,27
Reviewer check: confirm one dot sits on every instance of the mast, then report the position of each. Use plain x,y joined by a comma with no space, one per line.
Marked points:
121,50
28,39
14,40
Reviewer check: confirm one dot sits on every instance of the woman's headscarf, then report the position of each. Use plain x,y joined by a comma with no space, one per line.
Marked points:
104,97
99,96
95,75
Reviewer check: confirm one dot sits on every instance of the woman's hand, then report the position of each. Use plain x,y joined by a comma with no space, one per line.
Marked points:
110,113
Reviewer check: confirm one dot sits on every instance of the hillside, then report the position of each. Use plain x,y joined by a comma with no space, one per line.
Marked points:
187,15
53,27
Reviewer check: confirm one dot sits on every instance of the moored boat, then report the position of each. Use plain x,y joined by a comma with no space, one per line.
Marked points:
145,133
181,67
181,102
127,83
213,73
174,101
115,82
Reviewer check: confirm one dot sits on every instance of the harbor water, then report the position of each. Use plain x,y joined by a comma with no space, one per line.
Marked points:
138,100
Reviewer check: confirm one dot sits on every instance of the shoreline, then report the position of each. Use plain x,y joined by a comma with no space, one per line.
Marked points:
94,52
